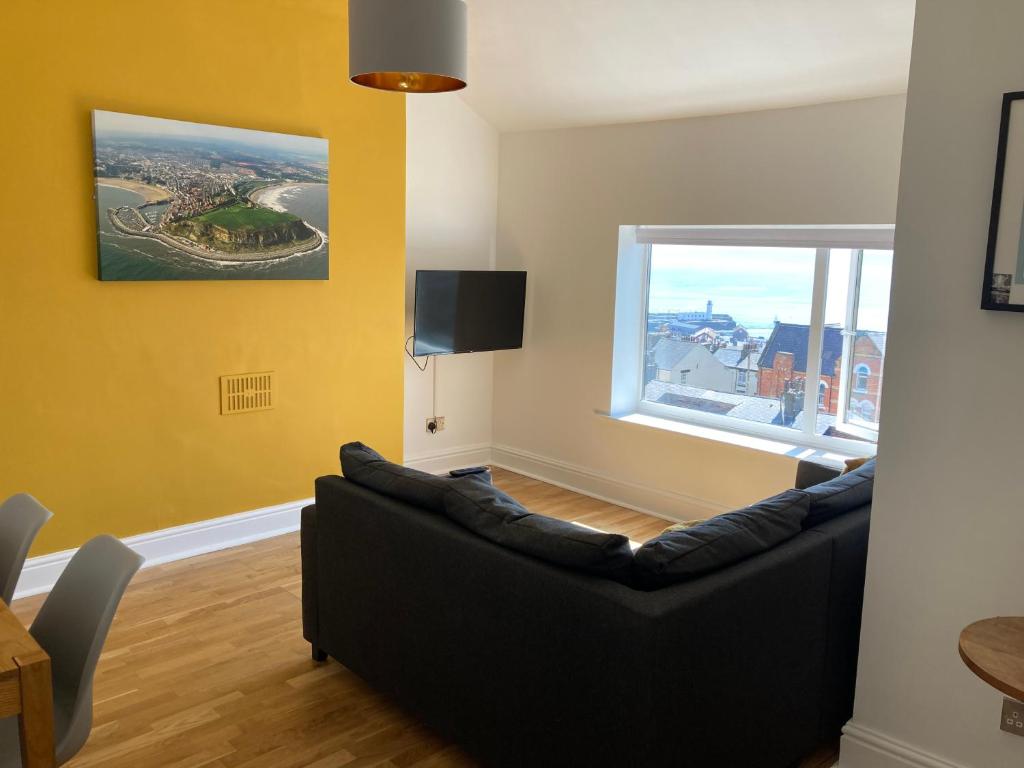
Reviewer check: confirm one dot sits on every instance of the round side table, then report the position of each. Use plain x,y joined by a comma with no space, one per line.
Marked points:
993,649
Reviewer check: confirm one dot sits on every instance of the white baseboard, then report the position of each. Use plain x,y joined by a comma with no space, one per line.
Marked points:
436,462
863,747
665,504
41,573
572,477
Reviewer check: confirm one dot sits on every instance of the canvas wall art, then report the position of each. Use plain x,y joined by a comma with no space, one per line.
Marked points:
1003,287
187,201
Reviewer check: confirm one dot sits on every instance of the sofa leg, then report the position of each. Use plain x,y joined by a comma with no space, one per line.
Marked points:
319,655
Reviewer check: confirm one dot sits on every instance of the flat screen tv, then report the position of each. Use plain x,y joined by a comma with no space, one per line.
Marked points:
468,311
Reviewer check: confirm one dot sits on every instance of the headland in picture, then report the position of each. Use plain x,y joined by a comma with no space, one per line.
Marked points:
186,201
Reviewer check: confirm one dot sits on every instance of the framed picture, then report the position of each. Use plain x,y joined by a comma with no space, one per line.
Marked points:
1003,288
186,201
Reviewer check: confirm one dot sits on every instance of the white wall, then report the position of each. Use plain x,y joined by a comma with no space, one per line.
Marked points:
563,195
451,206
947,531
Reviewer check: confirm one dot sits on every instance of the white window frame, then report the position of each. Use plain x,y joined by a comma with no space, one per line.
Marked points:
630,340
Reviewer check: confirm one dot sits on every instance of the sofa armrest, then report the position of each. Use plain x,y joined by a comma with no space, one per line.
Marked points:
307,544
810,473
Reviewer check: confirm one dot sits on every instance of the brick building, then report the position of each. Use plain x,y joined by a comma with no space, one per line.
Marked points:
866,377
783,367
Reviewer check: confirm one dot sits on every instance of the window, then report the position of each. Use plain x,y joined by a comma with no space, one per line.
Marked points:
779,306
860,378
863,313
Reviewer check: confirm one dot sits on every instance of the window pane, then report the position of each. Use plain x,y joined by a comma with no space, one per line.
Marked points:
727,330
868,358
836,298
865,352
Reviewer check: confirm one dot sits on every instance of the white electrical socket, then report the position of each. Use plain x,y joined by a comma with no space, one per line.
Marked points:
435,424
1012,720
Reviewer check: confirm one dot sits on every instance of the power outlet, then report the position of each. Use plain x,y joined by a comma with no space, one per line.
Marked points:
1012,720
435,424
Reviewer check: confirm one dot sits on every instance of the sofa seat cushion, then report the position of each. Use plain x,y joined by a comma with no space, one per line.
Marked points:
843,494
496,516
363,466
681,555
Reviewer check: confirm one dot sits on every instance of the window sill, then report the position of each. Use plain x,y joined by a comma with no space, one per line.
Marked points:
765,445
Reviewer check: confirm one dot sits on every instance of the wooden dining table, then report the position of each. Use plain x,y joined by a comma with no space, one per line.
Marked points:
26,690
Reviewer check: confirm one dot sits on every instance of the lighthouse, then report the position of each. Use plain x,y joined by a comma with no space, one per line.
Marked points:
707,314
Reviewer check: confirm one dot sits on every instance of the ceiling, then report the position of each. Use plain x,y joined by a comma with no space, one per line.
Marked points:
557,63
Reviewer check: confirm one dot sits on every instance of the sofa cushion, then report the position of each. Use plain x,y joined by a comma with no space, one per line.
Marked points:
851,464
676,556
684,525
364,466
496,516
840,495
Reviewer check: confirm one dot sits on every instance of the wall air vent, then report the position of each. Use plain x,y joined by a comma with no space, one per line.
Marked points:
244,392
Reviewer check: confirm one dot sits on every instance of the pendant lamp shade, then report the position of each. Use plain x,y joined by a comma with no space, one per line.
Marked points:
416,46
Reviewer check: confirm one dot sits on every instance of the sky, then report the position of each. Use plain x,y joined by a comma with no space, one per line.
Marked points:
117,122
759,285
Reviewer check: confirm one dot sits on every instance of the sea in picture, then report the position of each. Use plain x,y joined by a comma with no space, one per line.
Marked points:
135,258
182,201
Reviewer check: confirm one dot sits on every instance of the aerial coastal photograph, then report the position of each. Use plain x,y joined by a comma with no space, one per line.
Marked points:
187,201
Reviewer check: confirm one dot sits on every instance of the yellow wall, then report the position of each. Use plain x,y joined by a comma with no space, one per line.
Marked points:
109,409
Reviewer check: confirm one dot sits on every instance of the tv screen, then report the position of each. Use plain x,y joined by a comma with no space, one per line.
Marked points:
468,311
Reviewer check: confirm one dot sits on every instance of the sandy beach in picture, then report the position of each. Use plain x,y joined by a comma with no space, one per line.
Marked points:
149,193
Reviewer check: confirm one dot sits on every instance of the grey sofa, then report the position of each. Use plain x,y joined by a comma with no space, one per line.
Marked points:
524,663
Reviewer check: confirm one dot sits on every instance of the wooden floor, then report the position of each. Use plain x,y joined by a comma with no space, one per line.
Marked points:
206,666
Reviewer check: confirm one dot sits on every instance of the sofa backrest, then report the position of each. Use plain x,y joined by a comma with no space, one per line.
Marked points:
364,466
672,557
841,495
810,473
